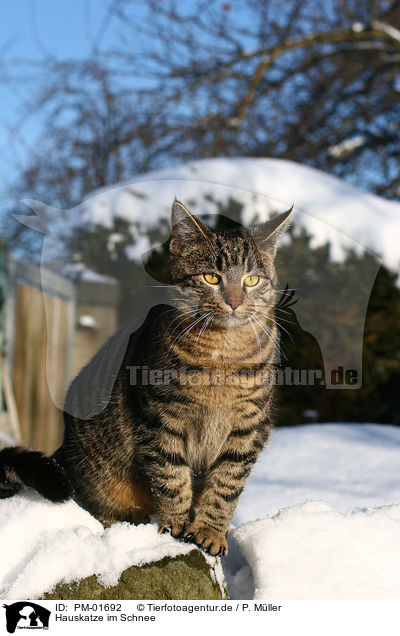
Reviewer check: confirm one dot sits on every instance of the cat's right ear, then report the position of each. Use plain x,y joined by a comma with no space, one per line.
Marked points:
185,228
269,233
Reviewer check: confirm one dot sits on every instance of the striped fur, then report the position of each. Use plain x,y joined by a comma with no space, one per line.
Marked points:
184,450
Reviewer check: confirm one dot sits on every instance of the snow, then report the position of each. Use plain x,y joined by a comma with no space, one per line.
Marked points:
5,439
346,147
328,207
388,29
89,276
50,543
319,518
114,239
87,321
78,271
344,467
311,551
134,252
347,465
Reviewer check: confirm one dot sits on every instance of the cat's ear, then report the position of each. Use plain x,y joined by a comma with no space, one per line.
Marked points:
267,235
185,228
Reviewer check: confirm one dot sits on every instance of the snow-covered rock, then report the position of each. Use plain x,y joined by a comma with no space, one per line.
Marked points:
44,544
346,545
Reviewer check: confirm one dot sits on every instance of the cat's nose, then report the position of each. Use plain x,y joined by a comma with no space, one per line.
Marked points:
233,303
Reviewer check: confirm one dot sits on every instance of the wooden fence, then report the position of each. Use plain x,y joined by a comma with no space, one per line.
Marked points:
39,346
46,343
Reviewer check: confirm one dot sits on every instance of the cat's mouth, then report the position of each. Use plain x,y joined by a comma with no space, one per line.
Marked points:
218,317
229,319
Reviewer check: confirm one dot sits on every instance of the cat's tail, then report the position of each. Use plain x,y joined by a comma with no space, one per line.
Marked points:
23,468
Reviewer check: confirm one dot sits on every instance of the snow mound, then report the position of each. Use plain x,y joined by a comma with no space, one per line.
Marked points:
311,551
44,544
347,465
328,207
347,547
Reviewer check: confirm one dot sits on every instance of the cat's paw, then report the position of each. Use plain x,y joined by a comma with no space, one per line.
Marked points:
207,539
175,528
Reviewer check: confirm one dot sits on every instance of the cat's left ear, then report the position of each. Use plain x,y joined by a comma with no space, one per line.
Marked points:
268,234
185,228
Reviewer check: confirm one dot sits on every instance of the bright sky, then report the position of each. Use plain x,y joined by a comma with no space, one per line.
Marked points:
30,30
30,27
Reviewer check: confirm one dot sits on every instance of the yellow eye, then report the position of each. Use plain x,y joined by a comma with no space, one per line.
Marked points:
252,280
212,278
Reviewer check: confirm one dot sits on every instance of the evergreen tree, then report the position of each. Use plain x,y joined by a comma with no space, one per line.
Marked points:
319,282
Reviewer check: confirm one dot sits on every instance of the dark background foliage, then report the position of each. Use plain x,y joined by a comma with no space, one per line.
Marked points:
315,275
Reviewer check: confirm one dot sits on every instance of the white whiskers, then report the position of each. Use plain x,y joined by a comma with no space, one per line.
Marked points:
256,334
204,327
189,328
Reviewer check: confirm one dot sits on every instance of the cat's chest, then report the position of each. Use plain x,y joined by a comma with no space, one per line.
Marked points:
215,407
206,434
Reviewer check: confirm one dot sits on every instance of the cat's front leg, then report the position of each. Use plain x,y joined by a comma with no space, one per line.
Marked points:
226,480
172,488
218,502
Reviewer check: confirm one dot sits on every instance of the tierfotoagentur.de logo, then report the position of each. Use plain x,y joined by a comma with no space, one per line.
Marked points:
26,615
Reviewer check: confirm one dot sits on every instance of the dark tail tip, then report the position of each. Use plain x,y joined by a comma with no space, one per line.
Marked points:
20,468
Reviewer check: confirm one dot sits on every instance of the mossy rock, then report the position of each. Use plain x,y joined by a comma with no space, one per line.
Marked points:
187,576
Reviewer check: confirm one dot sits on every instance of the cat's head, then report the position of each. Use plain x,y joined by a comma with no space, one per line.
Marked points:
230,273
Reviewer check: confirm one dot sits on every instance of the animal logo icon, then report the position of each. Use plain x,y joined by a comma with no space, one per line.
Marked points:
26,615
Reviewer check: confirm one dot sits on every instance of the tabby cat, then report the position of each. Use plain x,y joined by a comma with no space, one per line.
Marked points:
182,447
